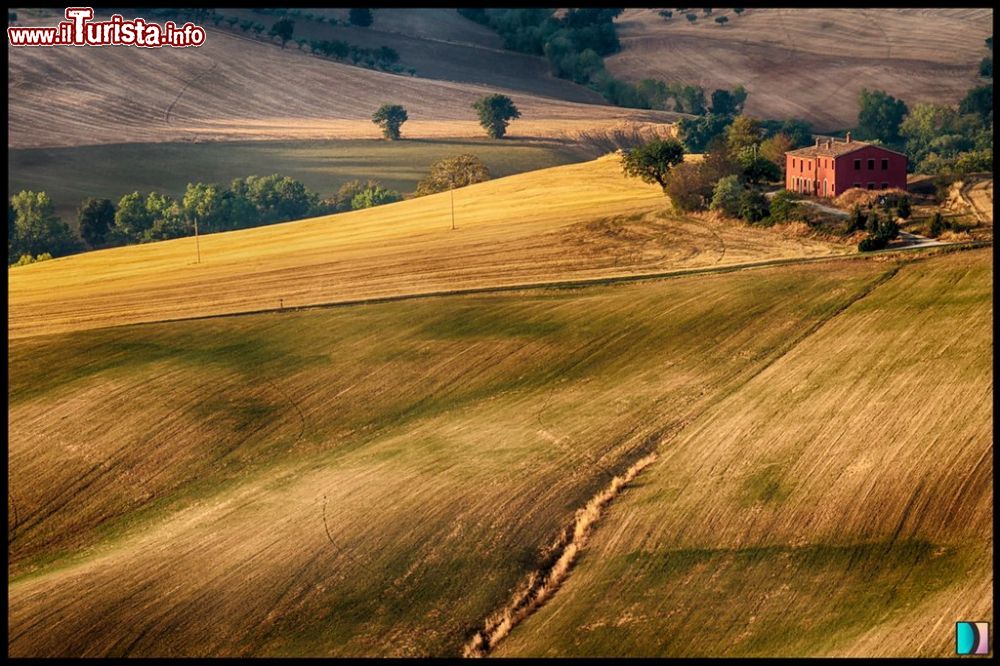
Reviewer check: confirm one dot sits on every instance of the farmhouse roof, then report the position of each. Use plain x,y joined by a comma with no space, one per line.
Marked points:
835,148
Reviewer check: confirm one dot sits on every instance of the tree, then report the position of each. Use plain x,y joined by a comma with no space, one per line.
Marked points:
729,103
12,245
132,219
757,169
495,113
452,172
744,132
871,224
738,10
96,219
692,17
653,161
687,187
282,29
697,133
374,196
784,206
708,11
880,115
775,147
903,209
390,117
667,14
937,225
721,20
726,196
753,206
259,28
38,228
232,20
856,219
979,101
360,17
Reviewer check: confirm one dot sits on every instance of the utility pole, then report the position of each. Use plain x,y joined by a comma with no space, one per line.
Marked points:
197,245
452,205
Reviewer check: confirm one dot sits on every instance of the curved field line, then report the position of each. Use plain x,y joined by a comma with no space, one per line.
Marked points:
166,114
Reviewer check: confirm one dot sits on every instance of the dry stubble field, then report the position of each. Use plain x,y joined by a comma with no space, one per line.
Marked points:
378,479
236,88
810,63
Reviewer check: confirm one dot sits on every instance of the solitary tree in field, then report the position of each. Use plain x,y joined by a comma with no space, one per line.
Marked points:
692,17
390,117
451,172
282,29
96,218
360,17
495,113
653,161
738,10
721,20
667,14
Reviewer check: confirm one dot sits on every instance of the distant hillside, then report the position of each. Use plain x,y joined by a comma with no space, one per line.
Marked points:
569,222
235,87
810,64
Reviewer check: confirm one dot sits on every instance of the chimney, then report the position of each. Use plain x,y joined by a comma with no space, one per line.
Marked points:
848,137
829,143
817,142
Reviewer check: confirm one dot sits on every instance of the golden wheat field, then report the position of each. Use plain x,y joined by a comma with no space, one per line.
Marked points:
810,63
570,222
380,479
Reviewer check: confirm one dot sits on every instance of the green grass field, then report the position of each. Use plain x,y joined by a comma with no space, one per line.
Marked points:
69,175
378,479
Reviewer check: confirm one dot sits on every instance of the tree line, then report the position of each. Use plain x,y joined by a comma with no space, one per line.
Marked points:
575,46
35,232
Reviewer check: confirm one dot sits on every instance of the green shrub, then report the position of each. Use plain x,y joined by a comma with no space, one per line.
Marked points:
374,196
871,244
784,206
753,206
726,197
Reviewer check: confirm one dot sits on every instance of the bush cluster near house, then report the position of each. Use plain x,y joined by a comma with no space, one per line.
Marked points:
728,180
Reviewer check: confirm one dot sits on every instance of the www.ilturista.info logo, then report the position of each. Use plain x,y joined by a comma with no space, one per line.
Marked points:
79,30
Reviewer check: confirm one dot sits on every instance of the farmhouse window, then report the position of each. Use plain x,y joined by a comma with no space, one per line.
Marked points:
793,162
857,165
885,164
885,186
871,165
856,185
871,186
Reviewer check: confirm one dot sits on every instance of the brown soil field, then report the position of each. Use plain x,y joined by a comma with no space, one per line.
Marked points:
234,87
569,222
376,479
838,503
810,63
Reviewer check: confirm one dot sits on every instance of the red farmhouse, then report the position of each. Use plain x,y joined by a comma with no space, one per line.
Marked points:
831,167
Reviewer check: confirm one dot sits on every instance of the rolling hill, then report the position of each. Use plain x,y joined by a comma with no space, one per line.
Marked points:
813,63
379,479
565,223
235,87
